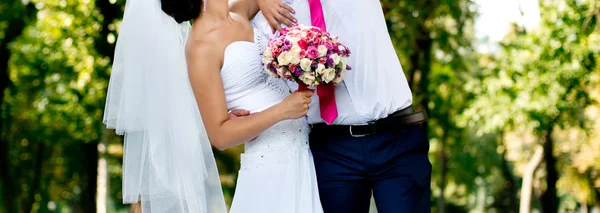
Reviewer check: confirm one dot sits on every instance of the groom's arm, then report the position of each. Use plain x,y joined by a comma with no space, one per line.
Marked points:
276,13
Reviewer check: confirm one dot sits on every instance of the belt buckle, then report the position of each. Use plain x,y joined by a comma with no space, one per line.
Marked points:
359,135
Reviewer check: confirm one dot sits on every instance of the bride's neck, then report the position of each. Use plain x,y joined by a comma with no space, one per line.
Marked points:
216,10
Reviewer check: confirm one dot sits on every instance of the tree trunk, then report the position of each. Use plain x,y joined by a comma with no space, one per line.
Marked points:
27,203
526,188
102,186
7,182
13,30
509,177
422,61
88,191
109,12
441,202
549,198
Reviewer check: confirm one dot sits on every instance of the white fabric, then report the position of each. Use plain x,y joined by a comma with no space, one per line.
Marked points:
168,162
277,171
376,85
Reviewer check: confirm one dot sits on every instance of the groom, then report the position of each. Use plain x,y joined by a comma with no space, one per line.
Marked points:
376,143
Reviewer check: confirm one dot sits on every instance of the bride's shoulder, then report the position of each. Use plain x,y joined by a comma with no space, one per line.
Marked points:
203,46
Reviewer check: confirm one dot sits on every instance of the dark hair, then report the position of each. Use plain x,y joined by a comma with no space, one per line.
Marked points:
181,10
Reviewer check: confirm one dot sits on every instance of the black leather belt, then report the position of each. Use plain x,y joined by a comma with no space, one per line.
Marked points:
394,122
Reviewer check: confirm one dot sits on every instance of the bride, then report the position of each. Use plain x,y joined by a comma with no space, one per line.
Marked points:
170,91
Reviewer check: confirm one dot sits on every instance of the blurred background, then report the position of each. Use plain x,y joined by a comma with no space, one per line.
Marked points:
511,88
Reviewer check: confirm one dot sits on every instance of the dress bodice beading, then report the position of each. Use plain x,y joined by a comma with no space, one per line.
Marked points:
248,86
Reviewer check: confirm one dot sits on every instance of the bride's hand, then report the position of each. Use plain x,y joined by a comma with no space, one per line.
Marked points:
295,105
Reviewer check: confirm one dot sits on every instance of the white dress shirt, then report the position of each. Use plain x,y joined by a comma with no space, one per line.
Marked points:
376,85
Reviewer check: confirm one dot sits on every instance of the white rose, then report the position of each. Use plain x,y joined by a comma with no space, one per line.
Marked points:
344,63
336,58
265,60
283,59
268,53
322,50
292,39
305,64
328,75
267,57
339,79
294,53
341,48
295,59
308,78
320,69
289,57
295,49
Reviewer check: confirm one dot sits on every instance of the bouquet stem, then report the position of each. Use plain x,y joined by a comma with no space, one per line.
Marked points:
302,87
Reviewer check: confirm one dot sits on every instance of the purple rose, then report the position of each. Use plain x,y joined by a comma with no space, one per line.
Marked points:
287,45
336,50
312,52
315,64
298,71
273,70
348,67
330,62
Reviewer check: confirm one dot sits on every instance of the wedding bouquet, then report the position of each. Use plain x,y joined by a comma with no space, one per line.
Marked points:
309,56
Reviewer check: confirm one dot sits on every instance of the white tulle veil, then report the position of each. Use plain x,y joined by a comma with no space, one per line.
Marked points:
168,162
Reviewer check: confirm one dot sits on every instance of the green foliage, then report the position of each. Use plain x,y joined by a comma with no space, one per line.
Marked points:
538,82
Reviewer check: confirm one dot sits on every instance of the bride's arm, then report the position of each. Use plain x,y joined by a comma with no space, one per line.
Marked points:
204,73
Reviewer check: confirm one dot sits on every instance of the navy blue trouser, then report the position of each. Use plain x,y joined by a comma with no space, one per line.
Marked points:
394,166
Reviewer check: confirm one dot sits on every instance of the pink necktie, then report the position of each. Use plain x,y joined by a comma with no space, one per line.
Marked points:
326,93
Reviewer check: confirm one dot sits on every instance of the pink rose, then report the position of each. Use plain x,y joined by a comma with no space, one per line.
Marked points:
294,34
302,54
315,41
312,52
315,30
292,67
303,44
272,43
322,60
275,51
328,45
278,42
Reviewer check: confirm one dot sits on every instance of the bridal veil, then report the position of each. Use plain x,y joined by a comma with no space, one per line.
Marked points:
168,162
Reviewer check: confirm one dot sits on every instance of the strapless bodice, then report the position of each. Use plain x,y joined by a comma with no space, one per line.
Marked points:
247,85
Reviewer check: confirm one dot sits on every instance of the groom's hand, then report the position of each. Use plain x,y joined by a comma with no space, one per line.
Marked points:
237,113
277,13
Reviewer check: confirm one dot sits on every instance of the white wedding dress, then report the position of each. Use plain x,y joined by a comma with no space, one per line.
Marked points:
277,172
